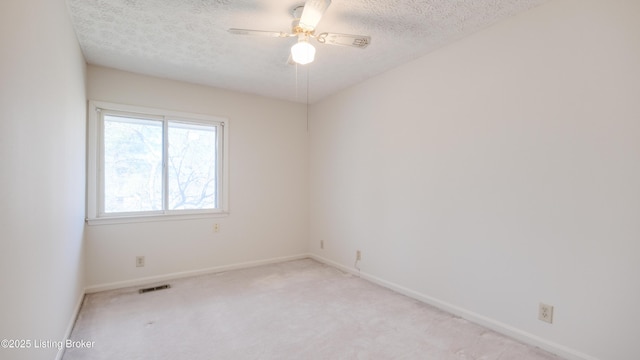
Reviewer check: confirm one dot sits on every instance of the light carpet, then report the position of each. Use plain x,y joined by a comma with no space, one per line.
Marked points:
293,310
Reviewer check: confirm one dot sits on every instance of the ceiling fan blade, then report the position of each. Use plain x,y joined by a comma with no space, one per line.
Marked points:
259,33
359,41
312,13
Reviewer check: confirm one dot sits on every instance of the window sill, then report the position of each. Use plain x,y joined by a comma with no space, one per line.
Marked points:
152,218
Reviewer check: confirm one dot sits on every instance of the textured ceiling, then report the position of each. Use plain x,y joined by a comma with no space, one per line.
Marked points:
188,39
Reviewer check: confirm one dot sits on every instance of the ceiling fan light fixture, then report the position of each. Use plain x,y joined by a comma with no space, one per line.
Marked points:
305,19
303,52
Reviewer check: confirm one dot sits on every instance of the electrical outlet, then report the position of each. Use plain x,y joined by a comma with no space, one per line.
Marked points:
545,313
321,244
139,261
358,255
216,227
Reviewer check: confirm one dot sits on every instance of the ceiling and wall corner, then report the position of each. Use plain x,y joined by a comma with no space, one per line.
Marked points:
188,40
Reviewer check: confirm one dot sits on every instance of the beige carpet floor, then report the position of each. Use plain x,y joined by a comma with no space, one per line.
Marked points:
293,310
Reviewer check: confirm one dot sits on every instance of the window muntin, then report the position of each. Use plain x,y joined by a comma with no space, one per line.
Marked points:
148,164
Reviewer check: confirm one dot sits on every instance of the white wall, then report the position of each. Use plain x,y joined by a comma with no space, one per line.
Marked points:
496,173
268,186
42,161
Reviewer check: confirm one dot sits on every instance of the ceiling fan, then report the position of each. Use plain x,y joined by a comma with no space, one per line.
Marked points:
306,18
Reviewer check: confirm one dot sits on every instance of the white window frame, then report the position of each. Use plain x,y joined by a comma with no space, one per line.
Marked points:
95,147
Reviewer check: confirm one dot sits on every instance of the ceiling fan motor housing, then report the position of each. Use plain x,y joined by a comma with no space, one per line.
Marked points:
296,29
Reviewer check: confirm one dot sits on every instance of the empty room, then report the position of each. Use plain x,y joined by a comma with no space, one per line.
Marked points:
365,179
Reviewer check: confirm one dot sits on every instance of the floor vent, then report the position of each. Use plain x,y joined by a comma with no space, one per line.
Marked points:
161,287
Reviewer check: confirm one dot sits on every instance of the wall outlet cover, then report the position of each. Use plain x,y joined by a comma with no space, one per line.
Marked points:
545,313
139,261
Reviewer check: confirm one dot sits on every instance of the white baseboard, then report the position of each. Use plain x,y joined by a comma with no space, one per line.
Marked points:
183,274
72,322
492,324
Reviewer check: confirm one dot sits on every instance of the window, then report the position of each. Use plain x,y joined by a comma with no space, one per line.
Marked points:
147,164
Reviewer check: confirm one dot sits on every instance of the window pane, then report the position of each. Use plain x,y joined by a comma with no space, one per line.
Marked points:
132,164
192,166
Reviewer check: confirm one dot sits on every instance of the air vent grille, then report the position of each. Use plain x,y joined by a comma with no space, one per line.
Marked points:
161,287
